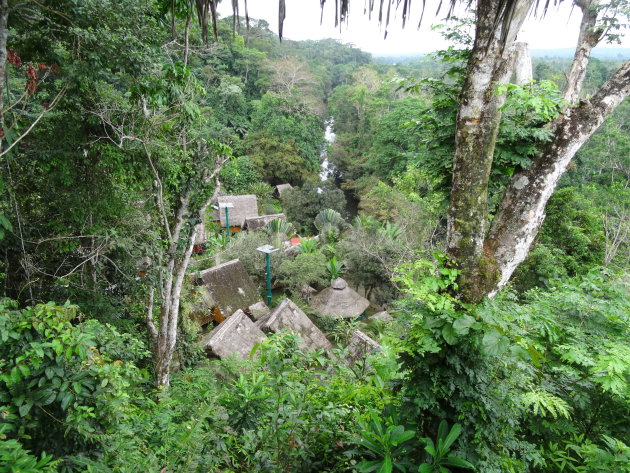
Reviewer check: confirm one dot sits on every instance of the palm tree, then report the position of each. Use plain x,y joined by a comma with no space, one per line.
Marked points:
330,224
334,268
279,230
307,246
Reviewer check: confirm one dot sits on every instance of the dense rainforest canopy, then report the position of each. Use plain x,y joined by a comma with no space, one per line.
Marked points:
145,144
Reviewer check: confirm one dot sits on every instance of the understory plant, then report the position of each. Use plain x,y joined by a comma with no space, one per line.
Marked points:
518,376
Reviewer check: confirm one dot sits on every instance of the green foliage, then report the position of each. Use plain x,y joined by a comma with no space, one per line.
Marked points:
334,268
307,245
339,330
528,107
14,458
538,366
439,451
243,247
239,174
387,442
277,160
307,269
570,242
394,144
580,456
429,282
279,226
263,192
302,204
283,123
329,223
53,370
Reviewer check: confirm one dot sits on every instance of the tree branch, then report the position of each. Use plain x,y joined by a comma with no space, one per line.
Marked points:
149,318
54,102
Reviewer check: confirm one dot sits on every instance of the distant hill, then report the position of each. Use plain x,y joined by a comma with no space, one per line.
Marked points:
599,53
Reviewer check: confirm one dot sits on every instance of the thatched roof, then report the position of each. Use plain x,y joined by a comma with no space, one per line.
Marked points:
288,316
230,287
245,206
281,188
339,301
253,224
382,316
236,336
201,310
360,346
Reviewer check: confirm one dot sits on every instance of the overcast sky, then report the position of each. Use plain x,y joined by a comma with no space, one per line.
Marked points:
558,30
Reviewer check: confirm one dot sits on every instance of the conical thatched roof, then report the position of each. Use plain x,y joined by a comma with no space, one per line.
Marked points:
339,301
236,335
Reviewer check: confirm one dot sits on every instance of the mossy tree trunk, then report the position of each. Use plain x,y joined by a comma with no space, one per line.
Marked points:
488,257
182,234
490,63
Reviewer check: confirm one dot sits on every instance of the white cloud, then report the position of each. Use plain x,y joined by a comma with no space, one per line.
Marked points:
559,29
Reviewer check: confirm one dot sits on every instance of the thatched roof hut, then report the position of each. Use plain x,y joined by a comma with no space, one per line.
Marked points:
230,287
245,206
288,316
360,345
339,301
254,224
282,188
235,336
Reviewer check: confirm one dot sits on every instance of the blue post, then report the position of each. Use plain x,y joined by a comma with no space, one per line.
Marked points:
227,224
268,259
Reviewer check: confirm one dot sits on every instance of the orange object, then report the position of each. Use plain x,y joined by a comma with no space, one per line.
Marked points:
217,315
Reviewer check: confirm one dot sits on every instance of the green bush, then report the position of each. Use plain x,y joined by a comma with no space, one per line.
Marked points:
64,383
520,376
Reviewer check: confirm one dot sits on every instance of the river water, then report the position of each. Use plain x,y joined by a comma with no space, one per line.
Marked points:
327,169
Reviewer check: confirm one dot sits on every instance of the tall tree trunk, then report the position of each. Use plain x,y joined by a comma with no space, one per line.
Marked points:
522,64
521,213
164,337
488,259
169,314
4,37
478,118
589,36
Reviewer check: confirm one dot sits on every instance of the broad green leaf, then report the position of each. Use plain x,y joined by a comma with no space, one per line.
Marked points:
367,466
442,430
25,408
458,462
449,334
452,436
65,401
462,325
387,466
400,437
430,447
425,468
494,343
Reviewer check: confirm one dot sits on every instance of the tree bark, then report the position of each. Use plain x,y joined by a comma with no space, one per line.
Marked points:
521,212
522,64
4,37
488,259
589,36
165,337
477,125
